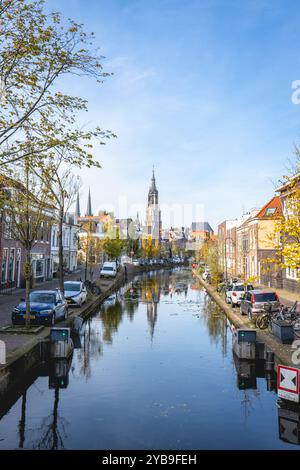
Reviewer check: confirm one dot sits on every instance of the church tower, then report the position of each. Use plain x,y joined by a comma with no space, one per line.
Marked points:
89,212
153,215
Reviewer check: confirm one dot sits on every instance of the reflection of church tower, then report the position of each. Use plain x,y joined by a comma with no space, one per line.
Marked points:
153,216
152,312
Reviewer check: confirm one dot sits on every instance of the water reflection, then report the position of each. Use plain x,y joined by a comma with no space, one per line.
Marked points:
52,431
289,423
91,348
114,393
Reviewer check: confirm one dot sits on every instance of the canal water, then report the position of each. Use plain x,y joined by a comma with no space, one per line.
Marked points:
153,370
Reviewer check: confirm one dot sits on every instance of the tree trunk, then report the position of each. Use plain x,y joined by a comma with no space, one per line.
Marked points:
61,251
27,287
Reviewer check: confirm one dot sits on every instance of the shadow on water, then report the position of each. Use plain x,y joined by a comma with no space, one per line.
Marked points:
178,385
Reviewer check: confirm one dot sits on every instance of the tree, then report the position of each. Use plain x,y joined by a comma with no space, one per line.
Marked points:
147,247
36,50
286,235
211,257
63,187
113,246
25,208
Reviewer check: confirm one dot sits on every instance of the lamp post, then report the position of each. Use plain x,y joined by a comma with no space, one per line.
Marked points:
225,253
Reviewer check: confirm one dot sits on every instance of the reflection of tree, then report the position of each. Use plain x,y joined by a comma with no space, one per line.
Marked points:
92,347
130,308
111,318
215,322
131,299
22,422
52,431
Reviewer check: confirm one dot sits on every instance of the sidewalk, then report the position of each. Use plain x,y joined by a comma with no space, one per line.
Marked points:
9,301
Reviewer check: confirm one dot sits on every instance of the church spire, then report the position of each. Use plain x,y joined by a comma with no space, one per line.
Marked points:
77,212
153,193
89,205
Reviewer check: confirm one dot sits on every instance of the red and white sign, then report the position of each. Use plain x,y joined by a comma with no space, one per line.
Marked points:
288,383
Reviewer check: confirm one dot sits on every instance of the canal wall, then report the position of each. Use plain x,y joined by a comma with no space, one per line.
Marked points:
25,359
283,352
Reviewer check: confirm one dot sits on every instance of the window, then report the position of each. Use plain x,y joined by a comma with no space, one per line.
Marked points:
4,265
11,265
270,211
292,273
39,268
42,297
266,297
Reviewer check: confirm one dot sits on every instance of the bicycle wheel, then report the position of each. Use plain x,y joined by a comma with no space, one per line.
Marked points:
96,290
264,322
258,320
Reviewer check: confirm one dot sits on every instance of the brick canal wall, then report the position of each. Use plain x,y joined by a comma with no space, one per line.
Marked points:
283,352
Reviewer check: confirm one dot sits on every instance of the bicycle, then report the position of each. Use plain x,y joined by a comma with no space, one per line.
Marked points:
290,316
264,321
92,287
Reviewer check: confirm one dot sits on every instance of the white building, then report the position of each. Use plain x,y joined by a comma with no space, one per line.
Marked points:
70,244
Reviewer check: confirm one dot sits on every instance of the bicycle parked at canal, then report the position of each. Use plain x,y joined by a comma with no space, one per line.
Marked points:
290,316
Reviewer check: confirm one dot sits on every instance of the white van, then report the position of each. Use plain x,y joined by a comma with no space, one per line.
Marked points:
109,269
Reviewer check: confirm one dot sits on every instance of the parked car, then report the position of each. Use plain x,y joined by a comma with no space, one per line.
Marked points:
236,295
75,293
228,291
258,301
46,307
135,262
109,269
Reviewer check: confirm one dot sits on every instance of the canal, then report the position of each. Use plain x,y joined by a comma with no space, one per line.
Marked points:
153,370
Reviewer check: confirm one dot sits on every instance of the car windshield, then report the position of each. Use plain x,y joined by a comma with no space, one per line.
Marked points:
70,287
107,268
42,298
266,297
238,288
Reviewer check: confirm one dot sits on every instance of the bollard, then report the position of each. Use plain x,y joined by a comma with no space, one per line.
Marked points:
270,361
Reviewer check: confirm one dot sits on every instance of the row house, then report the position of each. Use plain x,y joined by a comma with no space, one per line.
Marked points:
290,277
13,254
199,233
70,244
246,244
227,246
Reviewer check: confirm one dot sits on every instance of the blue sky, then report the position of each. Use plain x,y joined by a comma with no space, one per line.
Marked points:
202,90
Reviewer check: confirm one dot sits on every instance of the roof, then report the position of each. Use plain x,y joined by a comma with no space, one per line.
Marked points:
201,227
50,291
289,182
73,282
271,210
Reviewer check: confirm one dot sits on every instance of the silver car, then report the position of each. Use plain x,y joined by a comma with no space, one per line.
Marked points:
258,301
